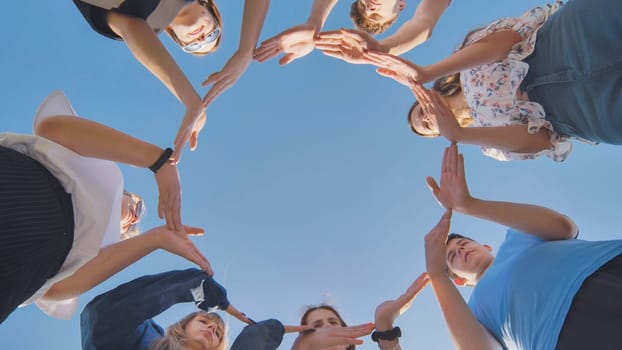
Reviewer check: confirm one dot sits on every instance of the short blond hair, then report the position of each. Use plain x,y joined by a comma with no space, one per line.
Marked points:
367,24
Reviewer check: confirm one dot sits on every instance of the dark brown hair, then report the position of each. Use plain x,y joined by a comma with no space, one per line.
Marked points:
310,309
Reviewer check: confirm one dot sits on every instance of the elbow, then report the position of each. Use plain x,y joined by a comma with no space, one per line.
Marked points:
567,228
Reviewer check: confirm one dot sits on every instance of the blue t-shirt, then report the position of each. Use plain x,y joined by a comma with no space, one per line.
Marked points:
525,295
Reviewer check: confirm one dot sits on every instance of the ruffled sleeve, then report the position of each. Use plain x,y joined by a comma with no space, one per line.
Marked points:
491,90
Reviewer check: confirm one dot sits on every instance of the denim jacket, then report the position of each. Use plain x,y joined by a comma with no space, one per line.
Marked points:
121,318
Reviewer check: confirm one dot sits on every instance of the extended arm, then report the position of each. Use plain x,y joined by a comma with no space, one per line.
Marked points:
388,311
111,319
494,47
297,41
252,21
466,331
536,220
149,50
416,30
120,255
95,140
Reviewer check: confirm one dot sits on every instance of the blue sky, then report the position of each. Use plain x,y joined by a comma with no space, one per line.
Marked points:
307,180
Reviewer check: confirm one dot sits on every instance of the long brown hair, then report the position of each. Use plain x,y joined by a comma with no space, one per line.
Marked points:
175,337
311,308
210,5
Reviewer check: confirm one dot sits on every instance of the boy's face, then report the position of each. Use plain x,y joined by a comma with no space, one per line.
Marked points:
468,259
381,11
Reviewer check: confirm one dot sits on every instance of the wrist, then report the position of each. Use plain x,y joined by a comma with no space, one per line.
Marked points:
389,344
382,326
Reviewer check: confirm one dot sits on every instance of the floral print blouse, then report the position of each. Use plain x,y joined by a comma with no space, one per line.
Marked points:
491,89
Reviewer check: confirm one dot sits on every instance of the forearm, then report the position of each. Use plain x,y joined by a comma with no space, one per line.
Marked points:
95,140
252,22
510,138
108,262
465,330
416,30
319,13
536,220
492,48
149,50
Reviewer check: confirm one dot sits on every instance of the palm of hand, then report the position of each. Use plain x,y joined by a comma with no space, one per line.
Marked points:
298,40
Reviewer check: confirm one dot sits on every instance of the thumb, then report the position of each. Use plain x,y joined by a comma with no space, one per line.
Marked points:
432,185
285,60
210,79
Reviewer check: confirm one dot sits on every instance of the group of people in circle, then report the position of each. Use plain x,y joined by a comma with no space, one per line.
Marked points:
519,88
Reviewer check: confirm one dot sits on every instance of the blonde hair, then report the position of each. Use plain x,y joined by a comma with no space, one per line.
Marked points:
175,337
367,24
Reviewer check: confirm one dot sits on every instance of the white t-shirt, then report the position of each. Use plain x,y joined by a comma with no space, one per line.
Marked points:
96,188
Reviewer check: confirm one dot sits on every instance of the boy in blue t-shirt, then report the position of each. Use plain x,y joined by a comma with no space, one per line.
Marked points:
545,289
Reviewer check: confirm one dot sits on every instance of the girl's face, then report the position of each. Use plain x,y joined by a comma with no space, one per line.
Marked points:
196,28
204,331
425,124
131,211
322,318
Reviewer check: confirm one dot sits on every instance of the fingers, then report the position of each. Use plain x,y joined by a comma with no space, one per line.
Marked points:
292,329
218,88
460,171
263,54
176,156
197,257
231,310
210,79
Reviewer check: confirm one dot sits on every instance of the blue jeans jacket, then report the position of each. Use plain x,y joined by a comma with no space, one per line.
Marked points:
121,318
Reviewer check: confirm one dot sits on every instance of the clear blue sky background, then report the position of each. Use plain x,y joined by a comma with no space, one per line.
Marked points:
307,180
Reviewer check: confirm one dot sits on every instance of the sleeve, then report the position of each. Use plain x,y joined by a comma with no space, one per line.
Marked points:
121,316
97,18
264,335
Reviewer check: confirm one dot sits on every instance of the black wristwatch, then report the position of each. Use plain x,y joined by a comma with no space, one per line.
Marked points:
392,334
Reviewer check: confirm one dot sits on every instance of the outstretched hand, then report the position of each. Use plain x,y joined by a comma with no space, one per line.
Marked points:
227,77
388,311
349,45
178,243
294,42
396,68
433,106
169,196
322,338
191,126
453,192
231,310
436,248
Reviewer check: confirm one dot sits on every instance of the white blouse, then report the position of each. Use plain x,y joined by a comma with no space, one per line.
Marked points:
491,90
96,188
